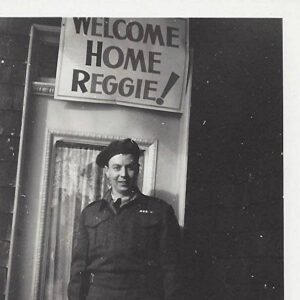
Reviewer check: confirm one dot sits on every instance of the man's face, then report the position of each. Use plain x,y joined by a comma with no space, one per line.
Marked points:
122,172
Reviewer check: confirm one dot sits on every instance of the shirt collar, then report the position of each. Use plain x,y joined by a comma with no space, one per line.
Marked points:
125,199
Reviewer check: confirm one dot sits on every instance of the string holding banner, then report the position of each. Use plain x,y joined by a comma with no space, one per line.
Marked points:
133,62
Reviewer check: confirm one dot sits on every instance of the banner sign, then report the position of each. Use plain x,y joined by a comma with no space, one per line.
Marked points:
134,62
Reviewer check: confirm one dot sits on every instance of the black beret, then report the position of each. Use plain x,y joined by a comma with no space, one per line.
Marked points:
126,146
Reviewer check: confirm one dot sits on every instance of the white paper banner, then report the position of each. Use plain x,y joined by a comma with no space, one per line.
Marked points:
133,62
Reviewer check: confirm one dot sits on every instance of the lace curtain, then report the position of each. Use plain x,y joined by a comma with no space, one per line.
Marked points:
77,182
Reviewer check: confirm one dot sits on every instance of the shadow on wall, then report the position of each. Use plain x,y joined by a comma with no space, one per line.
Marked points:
167,197
200,277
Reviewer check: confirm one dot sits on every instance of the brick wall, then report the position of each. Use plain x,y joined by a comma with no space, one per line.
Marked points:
14,39
234,209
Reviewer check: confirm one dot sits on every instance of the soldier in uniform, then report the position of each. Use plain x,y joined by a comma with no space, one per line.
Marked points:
127,246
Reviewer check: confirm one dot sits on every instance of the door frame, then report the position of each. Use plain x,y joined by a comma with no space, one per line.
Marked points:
50,34
38,33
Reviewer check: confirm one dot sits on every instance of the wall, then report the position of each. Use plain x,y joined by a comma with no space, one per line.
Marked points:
14,38
46,114
234,205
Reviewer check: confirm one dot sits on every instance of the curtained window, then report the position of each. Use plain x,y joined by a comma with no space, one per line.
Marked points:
76,182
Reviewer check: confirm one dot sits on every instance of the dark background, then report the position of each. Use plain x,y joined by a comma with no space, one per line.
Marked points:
233,234
234,206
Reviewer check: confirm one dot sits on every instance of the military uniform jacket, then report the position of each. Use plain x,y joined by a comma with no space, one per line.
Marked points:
130,254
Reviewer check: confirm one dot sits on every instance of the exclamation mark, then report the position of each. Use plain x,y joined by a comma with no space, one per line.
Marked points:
172,80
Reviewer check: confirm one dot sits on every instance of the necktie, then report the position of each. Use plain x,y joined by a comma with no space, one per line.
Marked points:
117,204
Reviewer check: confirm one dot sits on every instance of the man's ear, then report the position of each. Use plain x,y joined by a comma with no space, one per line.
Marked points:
106,170
138,167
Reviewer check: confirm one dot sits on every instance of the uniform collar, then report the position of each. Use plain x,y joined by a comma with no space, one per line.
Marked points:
110,199
126,199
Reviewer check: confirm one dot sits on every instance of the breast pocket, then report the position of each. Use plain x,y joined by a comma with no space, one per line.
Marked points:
98,231
148,235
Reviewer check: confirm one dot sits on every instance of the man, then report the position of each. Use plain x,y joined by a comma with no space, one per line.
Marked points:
127,247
